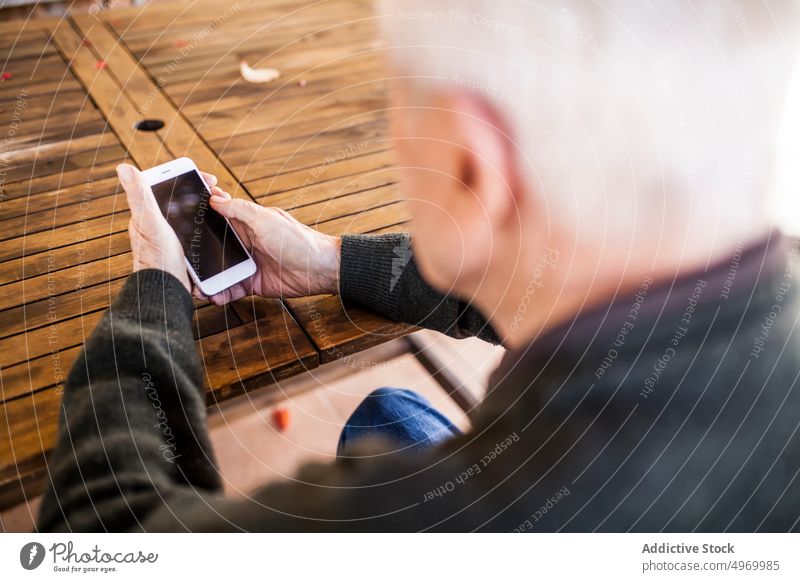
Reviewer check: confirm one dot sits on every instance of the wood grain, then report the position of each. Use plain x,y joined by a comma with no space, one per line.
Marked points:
64,249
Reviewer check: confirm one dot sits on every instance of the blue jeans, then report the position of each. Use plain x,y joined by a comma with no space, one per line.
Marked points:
401,418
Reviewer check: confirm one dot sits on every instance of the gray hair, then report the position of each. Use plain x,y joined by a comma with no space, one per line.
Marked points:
625,113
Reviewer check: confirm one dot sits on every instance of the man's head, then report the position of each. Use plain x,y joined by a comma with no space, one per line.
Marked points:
627,138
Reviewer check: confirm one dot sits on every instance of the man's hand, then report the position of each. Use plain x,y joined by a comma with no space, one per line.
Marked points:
292,259
154,244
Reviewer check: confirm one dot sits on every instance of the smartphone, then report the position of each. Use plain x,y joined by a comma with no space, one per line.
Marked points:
214,254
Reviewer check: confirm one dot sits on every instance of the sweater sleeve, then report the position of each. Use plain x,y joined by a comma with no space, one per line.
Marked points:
379,272
132,429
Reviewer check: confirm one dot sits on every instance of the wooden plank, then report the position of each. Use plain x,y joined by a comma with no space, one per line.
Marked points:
346,206
55,163
237,35
213,67
368,221
317,112
34,74
56,259
227,85
297,128
50,369
211,98
22,482
103,166
20,29
323,152
338,330
11,92
145,147
29,427
152,19
315,177
87,204
60,198
45,340
208,99
63,236
210,320
32,315
330,192
38,126
256,353
41,108
178,137
60,133
85,124
19,49
21,34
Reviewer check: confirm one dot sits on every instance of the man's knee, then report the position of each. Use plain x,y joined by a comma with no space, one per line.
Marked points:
399,416
388,402
392,392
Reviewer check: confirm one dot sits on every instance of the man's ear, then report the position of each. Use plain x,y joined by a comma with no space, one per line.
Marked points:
484,154
458,169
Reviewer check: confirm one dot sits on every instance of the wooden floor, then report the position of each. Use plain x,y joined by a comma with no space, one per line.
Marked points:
313,142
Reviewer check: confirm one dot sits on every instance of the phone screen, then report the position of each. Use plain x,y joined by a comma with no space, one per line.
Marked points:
208,240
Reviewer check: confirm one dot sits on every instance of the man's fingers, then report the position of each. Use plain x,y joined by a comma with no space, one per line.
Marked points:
230,294
226,296
217,191
234,208
220,298
197,294
210,179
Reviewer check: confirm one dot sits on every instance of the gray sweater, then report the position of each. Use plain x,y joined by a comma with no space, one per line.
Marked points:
674,407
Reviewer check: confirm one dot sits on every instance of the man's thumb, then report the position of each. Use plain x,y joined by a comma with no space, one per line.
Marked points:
140,197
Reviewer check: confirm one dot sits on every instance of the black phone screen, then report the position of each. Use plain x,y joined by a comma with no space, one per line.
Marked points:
208,240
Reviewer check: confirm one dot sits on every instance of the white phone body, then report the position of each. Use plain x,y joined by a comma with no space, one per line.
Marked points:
220,281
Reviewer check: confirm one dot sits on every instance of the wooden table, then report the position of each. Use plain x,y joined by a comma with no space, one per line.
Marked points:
313,142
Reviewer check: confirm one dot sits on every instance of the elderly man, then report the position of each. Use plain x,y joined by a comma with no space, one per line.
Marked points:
588,187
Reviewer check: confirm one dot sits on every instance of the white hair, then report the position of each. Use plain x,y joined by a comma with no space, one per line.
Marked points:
626,114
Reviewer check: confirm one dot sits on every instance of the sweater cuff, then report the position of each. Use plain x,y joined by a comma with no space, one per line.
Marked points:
371,266
152,295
